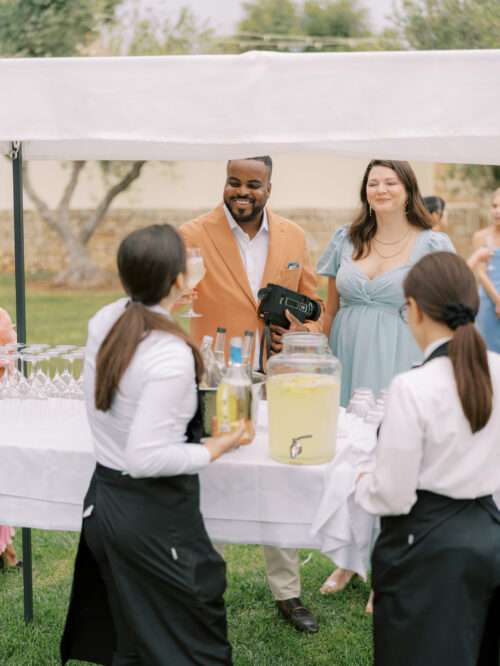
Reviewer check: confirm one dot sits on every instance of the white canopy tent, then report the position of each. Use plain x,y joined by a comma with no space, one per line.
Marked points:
434,106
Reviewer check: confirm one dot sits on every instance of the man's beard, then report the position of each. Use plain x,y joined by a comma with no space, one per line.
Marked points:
241,215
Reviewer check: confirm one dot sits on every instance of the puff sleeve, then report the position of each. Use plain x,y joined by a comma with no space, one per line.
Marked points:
331,258
439,242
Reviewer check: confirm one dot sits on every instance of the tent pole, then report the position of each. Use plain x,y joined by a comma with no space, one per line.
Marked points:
17,178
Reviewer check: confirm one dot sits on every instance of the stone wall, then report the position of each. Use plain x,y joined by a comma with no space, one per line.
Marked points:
44,251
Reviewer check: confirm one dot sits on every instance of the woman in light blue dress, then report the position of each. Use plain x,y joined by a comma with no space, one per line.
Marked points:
366,263
488,318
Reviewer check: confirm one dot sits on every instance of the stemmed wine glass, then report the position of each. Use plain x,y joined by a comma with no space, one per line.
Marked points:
195,273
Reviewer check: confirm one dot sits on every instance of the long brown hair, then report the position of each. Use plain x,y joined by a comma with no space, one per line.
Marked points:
149,261
364,226
445,289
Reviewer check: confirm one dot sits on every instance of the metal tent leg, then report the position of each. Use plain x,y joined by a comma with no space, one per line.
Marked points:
27,576
17,178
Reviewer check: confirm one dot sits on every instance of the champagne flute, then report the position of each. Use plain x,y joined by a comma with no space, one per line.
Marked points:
195,272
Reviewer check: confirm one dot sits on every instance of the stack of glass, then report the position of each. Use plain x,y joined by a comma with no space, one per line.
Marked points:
40,372
364,406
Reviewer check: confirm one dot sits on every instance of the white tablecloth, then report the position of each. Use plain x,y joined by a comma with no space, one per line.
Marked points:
46,461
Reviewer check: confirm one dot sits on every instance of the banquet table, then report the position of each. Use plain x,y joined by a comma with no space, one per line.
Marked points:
47,459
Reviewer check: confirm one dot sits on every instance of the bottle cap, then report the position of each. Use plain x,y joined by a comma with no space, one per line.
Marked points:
221,329
249,334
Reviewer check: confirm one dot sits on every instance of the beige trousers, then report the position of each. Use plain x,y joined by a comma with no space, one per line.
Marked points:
282,570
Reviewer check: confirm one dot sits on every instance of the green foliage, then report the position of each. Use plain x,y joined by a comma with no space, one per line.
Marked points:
57,28
153,34
342,18
316,25
273,17
449,24
484,178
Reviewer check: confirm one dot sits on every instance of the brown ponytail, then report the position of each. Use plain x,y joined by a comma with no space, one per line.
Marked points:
149,261
445,289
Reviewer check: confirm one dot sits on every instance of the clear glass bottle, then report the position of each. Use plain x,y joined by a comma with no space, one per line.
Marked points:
220,348
303,393
212,374
234,396
246,351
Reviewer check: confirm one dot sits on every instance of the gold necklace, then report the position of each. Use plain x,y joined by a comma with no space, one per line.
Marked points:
390,256
393,242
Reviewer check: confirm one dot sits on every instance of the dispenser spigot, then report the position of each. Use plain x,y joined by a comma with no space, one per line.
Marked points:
296,446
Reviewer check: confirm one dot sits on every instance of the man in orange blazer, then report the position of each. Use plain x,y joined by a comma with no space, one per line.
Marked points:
245,246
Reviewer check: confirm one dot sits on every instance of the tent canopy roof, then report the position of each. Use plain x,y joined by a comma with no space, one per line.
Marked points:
434,106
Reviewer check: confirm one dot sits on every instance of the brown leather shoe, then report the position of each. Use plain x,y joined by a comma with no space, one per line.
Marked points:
297,614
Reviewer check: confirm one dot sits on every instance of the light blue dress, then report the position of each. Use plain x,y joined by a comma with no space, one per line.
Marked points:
368,336
487,320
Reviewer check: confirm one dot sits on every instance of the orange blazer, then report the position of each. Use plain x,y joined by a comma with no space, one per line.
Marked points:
224,294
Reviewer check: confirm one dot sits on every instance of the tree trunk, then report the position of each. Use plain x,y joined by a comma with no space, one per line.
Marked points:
81,272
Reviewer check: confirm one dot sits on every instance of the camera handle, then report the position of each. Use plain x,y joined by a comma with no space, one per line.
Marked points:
265,343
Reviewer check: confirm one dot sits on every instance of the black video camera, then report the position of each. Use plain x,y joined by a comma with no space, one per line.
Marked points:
274,300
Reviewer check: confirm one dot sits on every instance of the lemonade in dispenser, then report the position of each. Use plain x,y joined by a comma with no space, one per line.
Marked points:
303,393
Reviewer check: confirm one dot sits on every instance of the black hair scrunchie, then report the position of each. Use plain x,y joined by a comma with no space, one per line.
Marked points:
458,314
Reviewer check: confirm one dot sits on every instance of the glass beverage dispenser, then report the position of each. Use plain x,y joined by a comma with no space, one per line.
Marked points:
303,393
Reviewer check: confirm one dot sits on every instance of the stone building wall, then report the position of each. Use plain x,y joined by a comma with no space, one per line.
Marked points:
44,251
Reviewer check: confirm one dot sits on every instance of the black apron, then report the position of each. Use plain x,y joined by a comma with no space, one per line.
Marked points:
436,582
168,579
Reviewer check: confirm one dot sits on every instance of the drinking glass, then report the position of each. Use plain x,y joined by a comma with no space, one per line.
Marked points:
6,364
366,395
195,273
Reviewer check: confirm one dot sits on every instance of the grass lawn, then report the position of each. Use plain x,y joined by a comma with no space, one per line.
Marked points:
259,637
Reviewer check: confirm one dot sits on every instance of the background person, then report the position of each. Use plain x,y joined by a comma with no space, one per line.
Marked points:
366,263
148,586
488,319
436,563
245,246
436,206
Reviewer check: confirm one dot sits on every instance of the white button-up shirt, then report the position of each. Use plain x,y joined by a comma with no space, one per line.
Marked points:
253,251
426,442
143,434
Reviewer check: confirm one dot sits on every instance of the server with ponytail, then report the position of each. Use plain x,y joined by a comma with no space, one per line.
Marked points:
148,586
436,563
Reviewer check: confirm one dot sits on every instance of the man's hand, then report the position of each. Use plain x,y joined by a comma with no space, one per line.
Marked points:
295,324
277,332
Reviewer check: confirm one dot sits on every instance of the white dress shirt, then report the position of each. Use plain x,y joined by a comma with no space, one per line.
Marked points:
426,442
253,251
143,434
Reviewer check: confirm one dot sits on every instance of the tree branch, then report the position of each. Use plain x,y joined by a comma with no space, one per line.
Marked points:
42,208
101,210
70,187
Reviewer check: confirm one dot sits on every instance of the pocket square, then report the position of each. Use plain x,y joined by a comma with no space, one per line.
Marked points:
293,265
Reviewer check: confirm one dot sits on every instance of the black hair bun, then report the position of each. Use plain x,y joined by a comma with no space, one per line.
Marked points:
458,314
